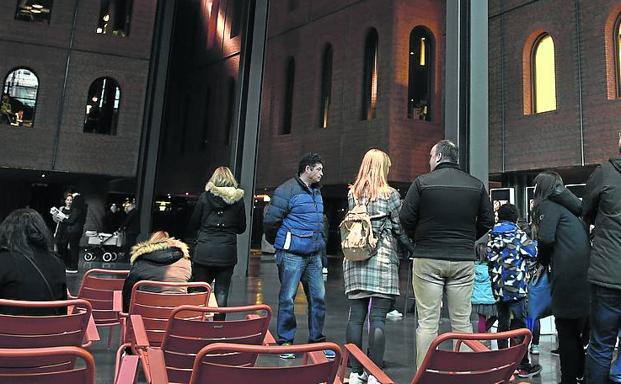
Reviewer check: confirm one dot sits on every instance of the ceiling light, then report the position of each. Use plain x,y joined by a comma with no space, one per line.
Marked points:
36,11
37,6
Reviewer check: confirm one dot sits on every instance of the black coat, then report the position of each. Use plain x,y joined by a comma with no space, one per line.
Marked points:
76,220
61,235
445,211
564,245
219,216
19,280
602,208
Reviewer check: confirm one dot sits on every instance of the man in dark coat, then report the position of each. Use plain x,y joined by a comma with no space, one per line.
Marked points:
602,208
294,224
444,211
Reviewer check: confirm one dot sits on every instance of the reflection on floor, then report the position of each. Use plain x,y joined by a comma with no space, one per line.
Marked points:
261,286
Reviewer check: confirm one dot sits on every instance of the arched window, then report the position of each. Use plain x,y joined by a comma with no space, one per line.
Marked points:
544,75
326,86
369,80
102,106
288,106
616,38
19,97
115,17
34,10
420,74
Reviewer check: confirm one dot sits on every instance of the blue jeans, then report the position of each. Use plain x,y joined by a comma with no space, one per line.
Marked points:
291,270
605,322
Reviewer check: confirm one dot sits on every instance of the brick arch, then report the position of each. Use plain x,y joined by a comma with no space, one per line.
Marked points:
610,51
527,68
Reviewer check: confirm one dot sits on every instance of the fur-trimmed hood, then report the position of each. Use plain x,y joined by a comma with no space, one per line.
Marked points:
230,195
163,251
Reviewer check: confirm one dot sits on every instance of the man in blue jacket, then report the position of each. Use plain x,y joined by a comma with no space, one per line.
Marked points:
294,224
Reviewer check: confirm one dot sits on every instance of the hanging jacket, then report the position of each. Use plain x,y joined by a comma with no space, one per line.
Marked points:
219,216
167,260
511,255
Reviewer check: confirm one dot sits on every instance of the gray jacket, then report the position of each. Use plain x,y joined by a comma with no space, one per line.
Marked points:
602,207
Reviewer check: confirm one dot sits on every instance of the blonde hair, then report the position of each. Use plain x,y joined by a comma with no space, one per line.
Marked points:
372,179
223,177
159,236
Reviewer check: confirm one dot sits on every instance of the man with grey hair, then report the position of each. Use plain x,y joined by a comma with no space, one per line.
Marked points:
444,211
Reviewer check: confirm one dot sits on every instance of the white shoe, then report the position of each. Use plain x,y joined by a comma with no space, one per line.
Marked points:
394,314
324,270
372,380
355,378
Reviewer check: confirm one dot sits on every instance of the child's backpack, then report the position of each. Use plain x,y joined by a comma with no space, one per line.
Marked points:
357,239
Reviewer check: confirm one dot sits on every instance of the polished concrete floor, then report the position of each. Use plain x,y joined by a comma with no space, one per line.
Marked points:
262,287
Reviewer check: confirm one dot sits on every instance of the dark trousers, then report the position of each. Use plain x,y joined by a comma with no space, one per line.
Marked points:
70,255
222,275
605,326
358,309
63,251
505,323
571,350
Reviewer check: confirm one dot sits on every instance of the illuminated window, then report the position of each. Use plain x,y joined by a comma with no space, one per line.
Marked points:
102,106
419,75
369,80
115,17
19,98
326,86
285,129
617,45
544,75
34,10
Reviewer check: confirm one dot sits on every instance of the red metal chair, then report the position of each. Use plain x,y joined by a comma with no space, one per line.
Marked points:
188,331
46,366
69,329
98,286
207,369
155,307
479,365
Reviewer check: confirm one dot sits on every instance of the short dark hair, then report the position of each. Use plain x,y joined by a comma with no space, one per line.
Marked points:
448,150
508,212
310,159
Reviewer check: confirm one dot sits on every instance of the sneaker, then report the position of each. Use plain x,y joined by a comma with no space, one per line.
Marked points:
555,351
534,349
330,354
72,271
288,355
355,378
372,380
529,371
394,314
324,270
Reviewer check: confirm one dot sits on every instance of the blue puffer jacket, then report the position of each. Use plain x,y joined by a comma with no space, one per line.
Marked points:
294,220
482,288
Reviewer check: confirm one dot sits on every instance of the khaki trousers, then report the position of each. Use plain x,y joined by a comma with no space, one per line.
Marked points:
430,278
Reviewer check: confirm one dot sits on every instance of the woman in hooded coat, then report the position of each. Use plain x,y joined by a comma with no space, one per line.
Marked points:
219,216
564,246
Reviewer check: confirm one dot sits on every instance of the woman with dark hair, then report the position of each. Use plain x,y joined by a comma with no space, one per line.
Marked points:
30,270
74,229
60,234
564,246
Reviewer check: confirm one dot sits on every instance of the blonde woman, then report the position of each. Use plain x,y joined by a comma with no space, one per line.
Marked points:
219,216
373,282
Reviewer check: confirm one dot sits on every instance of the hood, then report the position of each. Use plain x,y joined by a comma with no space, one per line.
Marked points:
616,163
567,199
229,195
504,227
163,252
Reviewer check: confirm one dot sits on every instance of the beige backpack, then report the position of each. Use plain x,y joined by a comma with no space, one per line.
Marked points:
357,239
